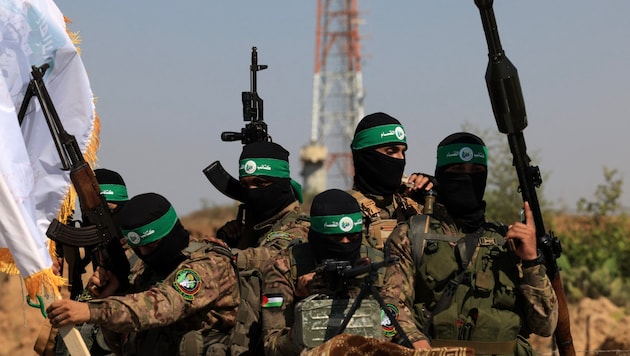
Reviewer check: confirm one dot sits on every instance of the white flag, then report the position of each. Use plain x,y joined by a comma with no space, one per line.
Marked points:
33,186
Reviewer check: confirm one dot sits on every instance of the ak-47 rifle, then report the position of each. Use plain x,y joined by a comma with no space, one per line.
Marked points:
255,130
104,235
508,106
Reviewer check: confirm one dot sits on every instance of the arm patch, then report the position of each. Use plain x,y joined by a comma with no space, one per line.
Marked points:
187,283
275,235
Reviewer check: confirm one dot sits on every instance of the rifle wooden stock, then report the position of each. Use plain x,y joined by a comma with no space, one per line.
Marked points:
564,340
508,106
85,183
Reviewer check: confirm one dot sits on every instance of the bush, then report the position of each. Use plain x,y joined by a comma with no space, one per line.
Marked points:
596,246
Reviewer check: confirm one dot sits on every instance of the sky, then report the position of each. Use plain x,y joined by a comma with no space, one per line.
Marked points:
168,80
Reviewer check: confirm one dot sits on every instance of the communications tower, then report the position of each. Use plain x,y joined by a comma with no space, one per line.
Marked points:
337,97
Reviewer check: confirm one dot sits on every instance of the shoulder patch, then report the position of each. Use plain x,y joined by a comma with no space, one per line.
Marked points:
389,329
187,283
272,300
274,235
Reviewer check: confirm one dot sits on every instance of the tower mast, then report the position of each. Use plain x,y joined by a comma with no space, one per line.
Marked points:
337,97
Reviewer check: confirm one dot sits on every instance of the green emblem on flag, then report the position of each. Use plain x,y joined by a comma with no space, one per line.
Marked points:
187,283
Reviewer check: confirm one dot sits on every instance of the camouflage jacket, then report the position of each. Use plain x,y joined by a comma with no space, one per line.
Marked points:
496,300
281,276
198,299
287,227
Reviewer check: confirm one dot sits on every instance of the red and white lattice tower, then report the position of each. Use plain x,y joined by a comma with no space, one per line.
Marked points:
337,97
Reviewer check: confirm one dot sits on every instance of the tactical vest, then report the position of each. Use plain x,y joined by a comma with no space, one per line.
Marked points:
378,223
466,290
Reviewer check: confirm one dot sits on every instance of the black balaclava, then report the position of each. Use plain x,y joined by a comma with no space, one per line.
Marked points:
335,212
265,202
462,193
374,172
149,218
112,187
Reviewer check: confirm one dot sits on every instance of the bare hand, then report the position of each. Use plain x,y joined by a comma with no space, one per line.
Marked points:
302,290
217,241
421,344
230,232
102,283
66,312
524,236
57,266
419,181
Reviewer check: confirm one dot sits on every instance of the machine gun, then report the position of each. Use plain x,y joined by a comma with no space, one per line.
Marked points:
332,274
103,234
255,130
504,89
337,274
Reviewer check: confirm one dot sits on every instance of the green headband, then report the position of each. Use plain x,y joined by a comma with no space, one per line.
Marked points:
263,167
297,188
378,135
337,224
462,153
114,192
152,231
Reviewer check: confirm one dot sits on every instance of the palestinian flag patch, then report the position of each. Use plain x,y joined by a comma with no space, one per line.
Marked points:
389,329
279,235
272,300
187,283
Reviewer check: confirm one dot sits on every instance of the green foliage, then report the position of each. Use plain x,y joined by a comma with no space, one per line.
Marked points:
597,247
607,196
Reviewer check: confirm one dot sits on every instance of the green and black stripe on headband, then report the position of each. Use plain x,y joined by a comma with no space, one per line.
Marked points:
462,153
337,224
264,167
114,192
378,136
153,231
270,167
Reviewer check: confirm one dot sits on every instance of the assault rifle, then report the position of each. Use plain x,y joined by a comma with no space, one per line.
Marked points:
255,130
504,89
104,235
338,274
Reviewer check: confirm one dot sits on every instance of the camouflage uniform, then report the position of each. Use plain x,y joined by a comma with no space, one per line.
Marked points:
281,276
497,301
197,300
381,214
275,234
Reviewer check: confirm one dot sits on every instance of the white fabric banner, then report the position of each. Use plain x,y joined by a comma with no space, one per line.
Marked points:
34,33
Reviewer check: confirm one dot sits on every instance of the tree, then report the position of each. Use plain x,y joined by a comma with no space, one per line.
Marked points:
607,196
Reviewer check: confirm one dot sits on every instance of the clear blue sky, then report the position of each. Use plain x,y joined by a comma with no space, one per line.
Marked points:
168,77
